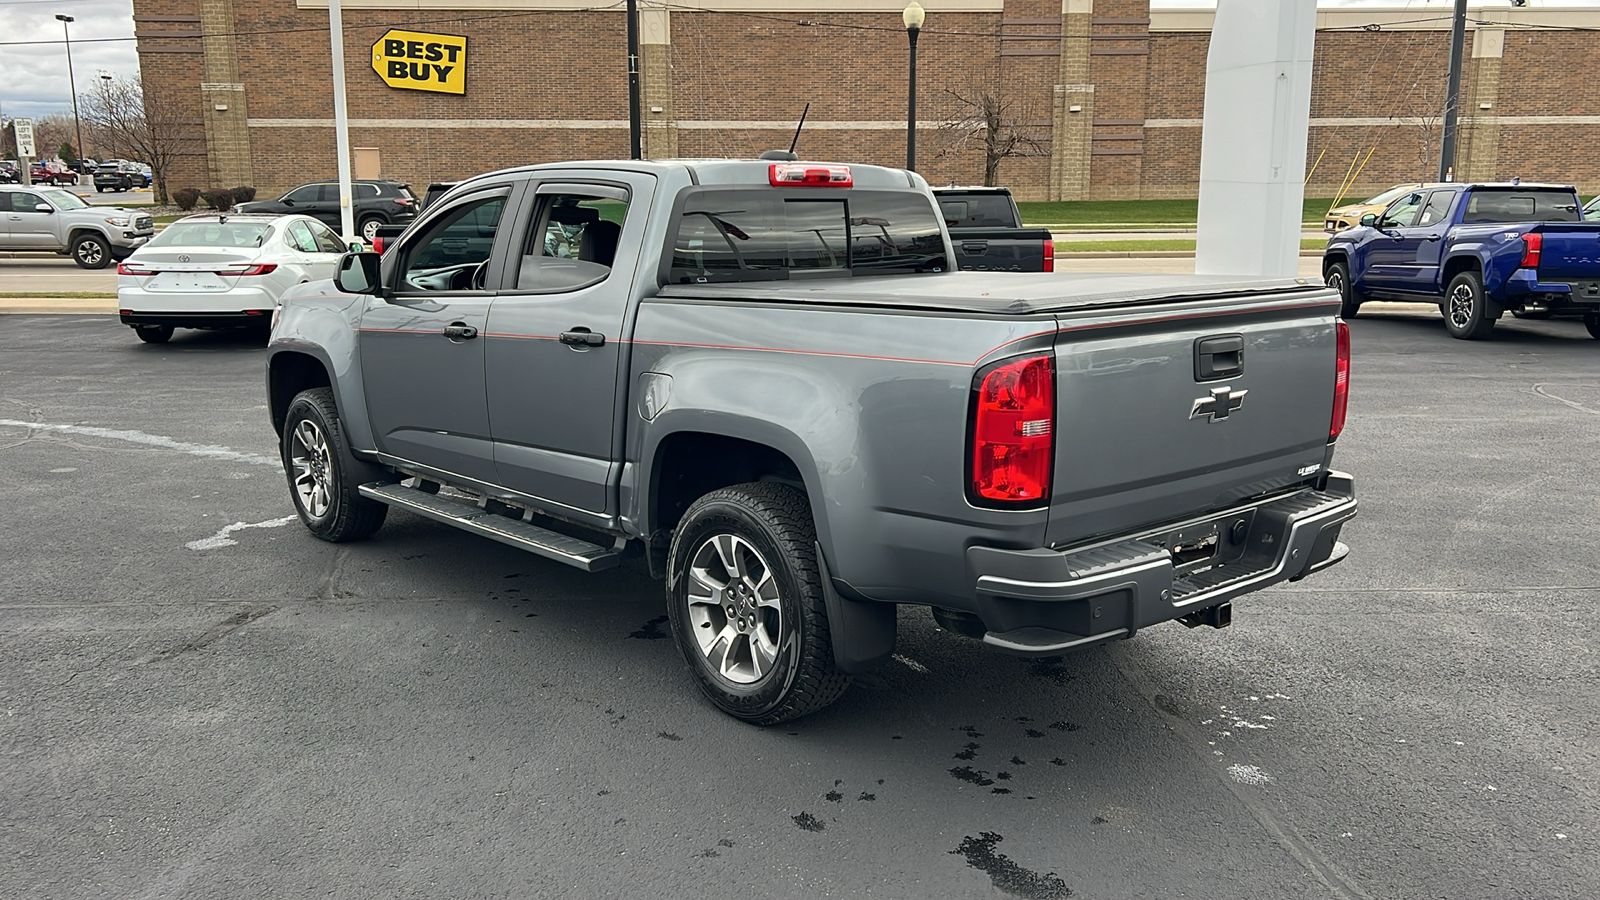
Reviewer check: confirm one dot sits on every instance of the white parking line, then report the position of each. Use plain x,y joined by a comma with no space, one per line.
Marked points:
221,539
210,451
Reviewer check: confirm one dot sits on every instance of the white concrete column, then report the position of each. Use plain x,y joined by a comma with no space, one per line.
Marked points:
1253,140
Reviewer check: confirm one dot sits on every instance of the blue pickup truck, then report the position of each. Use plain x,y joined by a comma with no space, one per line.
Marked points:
1477,251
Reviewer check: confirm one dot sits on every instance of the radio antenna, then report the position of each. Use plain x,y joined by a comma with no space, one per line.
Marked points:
796,141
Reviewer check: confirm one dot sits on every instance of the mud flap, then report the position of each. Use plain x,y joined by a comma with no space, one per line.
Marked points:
863,632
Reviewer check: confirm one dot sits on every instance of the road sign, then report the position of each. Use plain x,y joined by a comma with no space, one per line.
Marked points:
418,61
24,129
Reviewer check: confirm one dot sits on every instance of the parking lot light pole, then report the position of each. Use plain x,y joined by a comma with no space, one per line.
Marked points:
341,122
913,17
105,97
71,81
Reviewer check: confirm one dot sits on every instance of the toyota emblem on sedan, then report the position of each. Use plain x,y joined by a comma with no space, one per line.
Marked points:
1219,405
183,258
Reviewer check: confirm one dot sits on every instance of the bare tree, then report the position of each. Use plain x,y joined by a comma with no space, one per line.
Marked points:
1003,125
150,129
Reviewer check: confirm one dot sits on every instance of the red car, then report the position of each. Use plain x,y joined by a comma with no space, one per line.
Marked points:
48,173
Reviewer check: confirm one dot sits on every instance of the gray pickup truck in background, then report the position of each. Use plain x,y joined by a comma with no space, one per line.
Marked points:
56,220
762,380
986,229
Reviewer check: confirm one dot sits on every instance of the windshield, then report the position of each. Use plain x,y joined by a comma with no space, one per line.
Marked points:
212,234
65,199
1390,194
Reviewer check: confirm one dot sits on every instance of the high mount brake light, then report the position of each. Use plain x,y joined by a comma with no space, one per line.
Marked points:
1341,382
808,175
1013,432
1532,247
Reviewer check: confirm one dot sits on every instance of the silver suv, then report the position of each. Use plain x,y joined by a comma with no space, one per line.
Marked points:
47,218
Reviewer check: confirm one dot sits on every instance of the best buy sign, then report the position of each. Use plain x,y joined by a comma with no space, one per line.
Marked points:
419,61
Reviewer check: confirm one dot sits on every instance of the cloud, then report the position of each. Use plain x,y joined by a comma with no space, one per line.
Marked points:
33,78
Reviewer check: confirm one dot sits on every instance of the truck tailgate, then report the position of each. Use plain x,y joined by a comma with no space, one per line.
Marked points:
1175,411
1570,251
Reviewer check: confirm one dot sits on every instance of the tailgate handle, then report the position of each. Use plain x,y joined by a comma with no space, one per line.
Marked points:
1219,357
974,246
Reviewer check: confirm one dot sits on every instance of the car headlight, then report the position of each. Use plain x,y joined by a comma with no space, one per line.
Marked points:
118,221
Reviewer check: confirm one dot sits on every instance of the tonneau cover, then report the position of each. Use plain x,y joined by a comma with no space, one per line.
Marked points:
995,293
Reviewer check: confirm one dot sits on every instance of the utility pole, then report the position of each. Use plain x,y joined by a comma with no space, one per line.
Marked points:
636,151
1452,101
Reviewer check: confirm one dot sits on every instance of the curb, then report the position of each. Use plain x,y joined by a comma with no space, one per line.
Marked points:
55,306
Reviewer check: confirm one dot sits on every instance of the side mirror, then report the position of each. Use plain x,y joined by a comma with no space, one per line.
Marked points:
359,274
1370,220
287,202
43,207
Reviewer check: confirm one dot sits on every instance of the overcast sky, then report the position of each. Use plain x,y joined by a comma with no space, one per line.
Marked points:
33,77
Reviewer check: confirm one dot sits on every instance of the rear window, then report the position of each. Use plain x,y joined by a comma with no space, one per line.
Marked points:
212,234
977,211
1494,205
767,235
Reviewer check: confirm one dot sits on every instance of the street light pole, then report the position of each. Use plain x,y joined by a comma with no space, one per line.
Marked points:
913,17
341,122
1452,101
105,97
635,148
71,81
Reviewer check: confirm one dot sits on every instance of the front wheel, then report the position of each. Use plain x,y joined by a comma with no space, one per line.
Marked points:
90,251
324,477
745,601
1350,299
1467,313
1592,322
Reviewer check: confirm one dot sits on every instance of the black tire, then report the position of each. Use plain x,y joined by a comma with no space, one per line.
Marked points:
100,190
773,521
153,334
90,251
370,223
1468,314
1350,299
1592,322
332,474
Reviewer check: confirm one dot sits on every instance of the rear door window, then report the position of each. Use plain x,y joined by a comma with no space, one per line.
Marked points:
765,235
1437,208
574,237
1498,205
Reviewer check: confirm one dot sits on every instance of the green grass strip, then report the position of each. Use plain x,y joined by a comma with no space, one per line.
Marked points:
1111,212
56,295
1136,246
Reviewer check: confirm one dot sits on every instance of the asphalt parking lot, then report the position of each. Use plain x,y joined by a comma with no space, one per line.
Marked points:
198,699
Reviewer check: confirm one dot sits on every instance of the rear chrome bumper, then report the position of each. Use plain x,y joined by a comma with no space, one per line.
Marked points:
1047,601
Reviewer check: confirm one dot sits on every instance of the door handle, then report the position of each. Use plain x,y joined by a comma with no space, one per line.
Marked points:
581,337
460,331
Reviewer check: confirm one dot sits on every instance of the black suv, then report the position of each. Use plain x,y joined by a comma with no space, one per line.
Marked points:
376,203
114,175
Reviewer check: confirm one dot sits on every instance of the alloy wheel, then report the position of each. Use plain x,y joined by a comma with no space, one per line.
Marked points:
313,476
90,253
1461,307
734,608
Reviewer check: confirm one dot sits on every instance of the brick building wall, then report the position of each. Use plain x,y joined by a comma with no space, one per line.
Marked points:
1107,94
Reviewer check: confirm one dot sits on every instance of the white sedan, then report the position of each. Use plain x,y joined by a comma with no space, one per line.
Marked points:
221,271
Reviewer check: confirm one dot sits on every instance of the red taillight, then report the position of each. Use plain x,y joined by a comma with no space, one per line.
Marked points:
1341,381
808,175
404,201
1532,245
1013,431
377,245
255,269
1049,254
124,268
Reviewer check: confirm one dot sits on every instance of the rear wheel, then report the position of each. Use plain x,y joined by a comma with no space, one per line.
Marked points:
1592,322
1350,300
369,228
324,476
153,334
90,251
1467,313
745,600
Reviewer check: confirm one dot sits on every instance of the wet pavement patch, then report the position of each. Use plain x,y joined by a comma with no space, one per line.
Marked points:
667,735
1005,874
972,776
808,822
651,630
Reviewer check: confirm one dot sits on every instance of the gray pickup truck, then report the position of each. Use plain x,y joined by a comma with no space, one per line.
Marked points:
761,380
52,219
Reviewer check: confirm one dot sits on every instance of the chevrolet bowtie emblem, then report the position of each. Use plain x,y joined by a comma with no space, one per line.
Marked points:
1223,400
